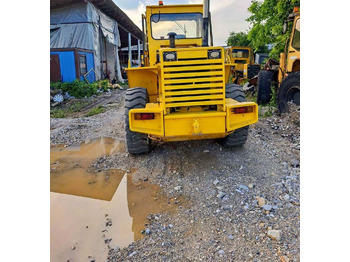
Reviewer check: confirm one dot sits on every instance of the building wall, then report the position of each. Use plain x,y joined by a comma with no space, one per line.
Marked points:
67,65
90,65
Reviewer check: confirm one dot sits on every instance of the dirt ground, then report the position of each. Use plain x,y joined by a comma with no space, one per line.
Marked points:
238,204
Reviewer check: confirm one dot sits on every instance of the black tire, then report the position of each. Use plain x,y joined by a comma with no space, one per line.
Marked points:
265,78
253,70
137,143
240,135
289,91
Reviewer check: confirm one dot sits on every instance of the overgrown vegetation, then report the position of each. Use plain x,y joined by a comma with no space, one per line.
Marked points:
96,110
266,21
69,109
58,113
270,108
80,89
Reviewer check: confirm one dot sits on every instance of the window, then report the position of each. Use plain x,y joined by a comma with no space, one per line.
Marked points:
185,25
296,37
82,65
237,53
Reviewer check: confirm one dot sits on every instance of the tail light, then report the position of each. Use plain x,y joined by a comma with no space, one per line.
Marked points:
243,110
144,116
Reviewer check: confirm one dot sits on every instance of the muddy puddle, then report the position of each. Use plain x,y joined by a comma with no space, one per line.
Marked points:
91,211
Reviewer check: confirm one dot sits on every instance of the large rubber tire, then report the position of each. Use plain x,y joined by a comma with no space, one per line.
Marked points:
239,136
289,91
137,143
253,70
265,78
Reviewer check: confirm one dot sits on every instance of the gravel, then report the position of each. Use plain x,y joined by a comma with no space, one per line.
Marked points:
210,224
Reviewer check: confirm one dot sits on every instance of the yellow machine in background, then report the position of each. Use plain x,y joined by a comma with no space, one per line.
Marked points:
242,60
286,72
180,91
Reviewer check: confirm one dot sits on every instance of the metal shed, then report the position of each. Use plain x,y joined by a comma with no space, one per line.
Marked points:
85,39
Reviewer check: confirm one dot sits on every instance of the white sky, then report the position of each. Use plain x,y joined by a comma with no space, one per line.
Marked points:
227,15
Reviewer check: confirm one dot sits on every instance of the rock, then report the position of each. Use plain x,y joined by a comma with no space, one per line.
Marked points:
221,252
261,201
132,254
295,163
147,231
221,195
171,226
267,207
206,151
215,182
230,237
274,207
251,186
284,259
243,187
177,188
274,234
286,197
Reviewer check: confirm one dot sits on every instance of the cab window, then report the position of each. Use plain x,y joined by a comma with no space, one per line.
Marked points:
296,37
187,25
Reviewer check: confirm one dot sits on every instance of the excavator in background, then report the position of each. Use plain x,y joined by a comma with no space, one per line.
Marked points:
285,74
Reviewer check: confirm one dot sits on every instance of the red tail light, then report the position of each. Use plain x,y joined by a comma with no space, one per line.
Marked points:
144,116
243,110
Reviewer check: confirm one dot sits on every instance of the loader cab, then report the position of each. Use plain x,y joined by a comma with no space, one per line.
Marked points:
164,25
241,55
290,59
293,58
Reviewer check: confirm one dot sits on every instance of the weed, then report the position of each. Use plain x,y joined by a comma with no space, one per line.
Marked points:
95,111
80,89
77,106
58,113
271,106
104,85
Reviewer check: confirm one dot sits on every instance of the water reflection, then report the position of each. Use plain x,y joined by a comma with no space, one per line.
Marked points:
92,212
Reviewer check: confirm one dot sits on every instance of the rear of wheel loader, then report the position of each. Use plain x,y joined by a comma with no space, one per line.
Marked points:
180,92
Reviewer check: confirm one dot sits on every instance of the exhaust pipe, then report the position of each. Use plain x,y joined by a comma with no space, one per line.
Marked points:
205,34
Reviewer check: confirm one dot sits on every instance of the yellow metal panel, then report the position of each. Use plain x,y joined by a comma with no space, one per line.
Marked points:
192,98
144,77
196,80
193,74
193,54
191,68
193,86
152,126
194,126
193,62
201,114
195,92
202,103
235,121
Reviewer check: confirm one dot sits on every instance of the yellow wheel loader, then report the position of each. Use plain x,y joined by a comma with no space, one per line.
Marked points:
179,92
285,73
242,58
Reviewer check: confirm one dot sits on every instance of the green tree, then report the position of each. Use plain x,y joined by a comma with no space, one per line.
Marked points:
241,39
238,39
266,22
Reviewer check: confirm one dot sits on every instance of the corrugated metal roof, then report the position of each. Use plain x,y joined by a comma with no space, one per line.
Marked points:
112,10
